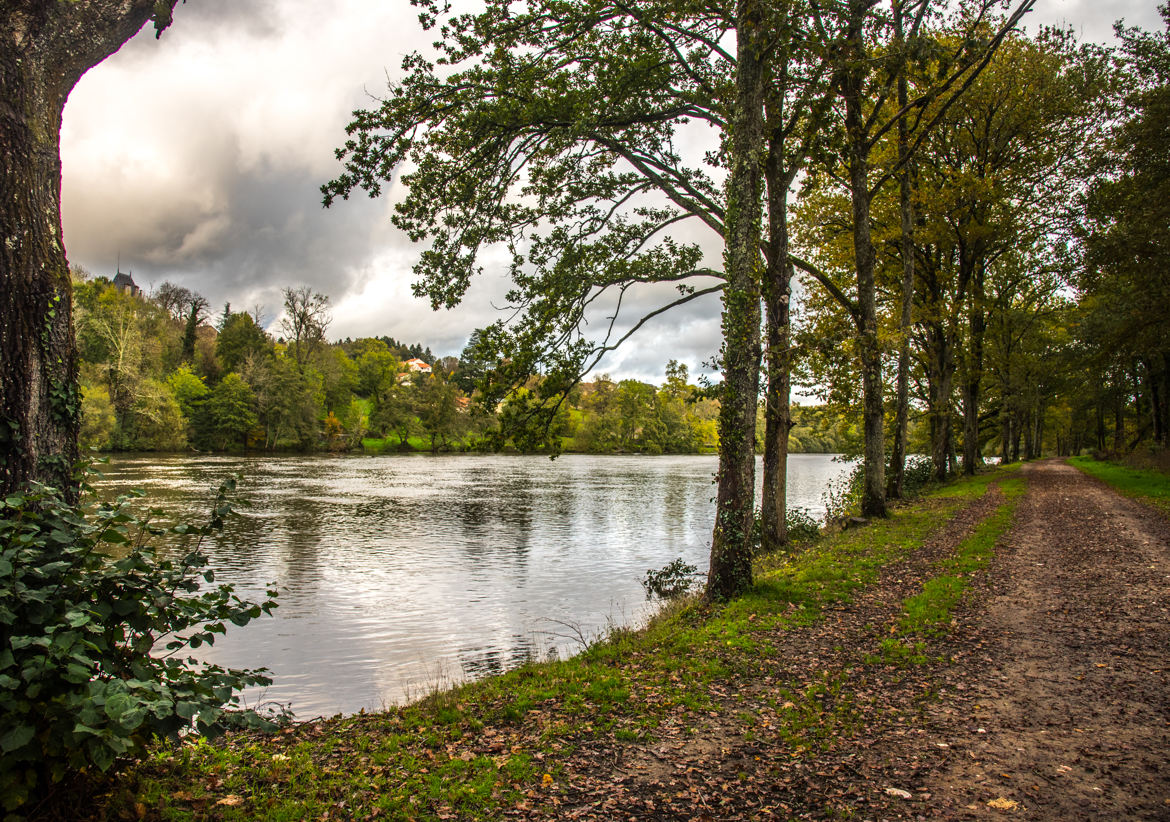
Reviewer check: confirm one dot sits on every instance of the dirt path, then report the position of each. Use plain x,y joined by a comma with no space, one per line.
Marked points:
1065,709
1054,706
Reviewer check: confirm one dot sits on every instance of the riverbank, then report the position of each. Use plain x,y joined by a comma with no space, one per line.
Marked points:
747,699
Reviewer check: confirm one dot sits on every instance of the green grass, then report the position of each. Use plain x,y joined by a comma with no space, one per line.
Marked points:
1150,486
929,613
475,750
391,442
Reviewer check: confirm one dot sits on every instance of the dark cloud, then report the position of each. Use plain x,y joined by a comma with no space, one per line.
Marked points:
198,159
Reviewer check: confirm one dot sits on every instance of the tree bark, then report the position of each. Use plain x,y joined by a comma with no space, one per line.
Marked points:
940,372
731,555
777,292
873,495
45,47
1119,416
973,373
906,208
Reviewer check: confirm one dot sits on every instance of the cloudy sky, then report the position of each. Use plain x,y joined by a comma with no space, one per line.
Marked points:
198,159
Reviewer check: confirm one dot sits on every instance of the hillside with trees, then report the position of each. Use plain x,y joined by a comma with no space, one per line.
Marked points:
158,373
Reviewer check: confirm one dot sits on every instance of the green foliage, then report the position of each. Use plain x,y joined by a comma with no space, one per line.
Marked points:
801,525
675,579
1147,484
84,601
97,418
239,338
842,497
232,410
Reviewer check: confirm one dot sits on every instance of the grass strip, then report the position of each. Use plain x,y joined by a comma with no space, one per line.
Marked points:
1144,484
928,613
475,750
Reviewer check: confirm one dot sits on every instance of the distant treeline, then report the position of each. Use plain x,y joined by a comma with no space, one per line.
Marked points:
159,373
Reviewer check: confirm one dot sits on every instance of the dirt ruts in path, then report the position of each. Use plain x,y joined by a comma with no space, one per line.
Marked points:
1062,707
731,764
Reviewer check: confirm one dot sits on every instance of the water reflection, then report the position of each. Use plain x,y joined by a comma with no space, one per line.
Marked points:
399,571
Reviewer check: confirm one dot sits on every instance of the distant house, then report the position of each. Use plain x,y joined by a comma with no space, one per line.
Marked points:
463,404
418,365
125,284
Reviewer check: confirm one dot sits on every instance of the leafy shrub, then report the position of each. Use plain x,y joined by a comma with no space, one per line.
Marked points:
671,581
802,525
84,601
919,474
842,496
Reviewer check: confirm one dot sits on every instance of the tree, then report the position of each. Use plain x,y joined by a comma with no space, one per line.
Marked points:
239,338
231,408
173,299
869,67
306,316
196,312
535,143
47,47
1123,280
437,412
731,562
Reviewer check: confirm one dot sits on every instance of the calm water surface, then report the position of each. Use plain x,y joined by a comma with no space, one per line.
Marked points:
399,572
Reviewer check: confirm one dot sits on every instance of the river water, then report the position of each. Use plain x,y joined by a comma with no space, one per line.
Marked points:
399,573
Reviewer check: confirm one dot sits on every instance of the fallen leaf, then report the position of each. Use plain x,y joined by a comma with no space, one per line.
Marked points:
231,800
546,779
1001,804
898,792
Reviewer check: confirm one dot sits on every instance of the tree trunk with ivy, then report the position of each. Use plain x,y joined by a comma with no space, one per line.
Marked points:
873,494
897,472
777,293
45,47
731,545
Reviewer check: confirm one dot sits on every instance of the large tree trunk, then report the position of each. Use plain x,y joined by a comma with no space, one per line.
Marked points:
731,555
1119,415
940,375
45,47
777,292
873,495
906,209
39,403
973,375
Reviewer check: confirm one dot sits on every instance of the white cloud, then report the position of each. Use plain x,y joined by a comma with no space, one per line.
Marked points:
198,158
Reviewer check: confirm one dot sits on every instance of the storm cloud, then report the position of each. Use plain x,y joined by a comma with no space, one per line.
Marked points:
198,159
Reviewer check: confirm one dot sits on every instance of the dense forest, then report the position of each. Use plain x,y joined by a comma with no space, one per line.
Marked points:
158,373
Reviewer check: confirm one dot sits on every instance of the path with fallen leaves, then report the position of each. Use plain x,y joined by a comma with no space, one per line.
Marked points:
1066,711
1047,701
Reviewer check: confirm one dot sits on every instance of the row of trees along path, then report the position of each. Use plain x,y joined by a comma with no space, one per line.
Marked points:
525,139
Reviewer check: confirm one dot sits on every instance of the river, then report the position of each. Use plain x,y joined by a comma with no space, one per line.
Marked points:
400,573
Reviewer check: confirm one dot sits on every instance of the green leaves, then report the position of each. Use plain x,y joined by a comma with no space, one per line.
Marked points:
16,738
79,686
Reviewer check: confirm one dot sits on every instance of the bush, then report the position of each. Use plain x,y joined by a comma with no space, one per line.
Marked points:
671,581
918,474
84,601
842,497
802,526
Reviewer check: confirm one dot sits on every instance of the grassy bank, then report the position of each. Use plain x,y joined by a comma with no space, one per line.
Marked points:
503,743
1145,484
